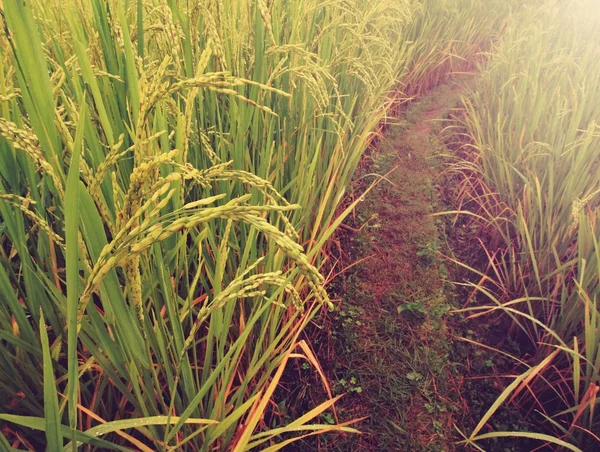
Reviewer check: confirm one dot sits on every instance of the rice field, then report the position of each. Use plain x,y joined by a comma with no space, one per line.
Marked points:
173,175
530,176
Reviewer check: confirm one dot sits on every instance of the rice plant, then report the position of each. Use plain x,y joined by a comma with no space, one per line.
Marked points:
170,175
447,37
531,176
157,265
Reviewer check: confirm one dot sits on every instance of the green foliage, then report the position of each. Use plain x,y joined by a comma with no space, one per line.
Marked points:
154,159
450,36
531,177
170,174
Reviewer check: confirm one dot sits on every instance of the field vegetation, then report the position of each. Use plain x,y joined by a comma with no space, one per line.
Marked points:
157,266
172,173
530,179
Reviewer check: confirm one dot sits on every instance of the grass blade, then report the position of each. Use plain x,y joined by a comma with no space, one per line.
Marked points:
52,418
72,258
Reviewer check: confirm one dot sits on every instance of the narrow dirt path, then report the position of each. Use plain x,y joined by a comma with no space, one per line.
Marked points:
389,346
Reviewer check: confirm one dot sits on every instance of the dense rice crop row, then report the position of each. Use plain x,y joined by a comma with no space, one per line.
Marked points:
448,37
532,175
154,157
170,173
